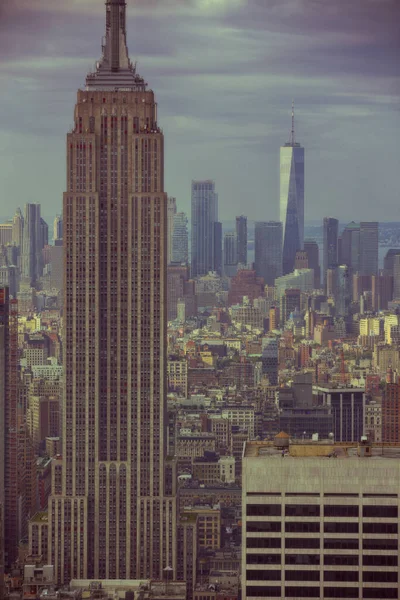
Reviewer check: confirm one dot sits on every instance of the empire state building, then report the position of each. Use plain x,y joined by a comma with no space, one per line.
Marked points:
109,515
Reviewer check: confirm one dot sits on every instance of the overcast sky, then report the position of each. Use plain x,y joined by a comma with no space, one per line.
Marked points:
225,73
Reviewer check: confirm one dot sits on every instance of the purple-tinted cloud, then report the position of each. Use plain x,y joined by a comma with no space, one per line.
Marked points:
225,73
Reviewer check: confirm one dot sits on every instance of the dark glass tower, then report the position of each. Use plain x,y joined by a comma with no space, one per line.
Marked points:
292,199
268,250
204,216
241,234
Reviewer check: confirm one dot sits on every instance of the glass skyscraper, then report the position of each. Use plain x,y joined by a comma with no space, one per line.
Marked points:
330,248
292,199
204,215
359,247
369,243
241,232
268,250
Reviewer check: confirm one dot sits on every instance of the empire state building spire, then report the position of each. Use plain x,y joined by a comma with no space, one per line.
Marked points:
115,69
115,51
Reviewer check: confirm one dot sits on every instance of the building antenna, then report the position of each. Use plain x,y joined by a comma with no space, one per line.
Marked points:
292,137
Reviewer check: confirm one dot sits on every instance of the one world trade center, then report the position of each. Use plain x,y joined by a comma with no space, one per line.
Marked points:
292,199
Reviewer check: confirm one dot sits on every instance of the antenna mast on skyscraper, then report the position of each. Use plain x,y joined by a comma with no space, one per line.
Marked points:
292,138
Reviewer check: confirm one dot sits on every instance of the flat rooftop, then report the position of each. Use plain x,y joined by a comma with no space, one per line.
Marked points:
321,449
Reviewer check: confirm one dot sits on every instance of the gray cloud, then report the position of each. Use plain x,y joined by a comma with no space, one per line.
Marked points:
224,73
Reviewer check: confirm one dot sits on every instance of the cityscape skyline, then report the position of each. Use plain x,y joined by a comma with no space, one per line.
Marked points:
335,108
178,371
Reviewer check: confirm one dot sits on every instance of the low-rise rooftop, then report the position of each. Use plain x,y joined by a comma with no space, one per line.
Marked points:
321,449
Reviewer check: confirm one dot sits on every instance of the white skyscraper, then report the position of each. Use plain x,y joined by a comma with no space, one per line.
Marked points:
292,199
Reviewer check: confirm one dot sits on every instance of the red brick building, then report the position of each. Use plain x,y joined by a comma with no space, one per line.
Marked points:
245,283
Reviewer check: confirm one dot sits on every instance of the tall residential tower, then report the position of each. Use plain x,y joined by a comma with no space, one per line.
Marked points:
109,516
292,199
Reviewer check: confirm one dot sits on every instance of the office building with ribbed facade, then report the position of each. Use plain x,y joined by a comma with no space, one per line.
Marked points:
330,244
320,520
230,254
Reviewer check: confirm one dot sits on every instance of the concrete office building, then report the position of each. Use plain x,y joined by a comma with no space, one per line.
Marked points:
6,233
108,515
180,239
330,244
18,228
319,520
